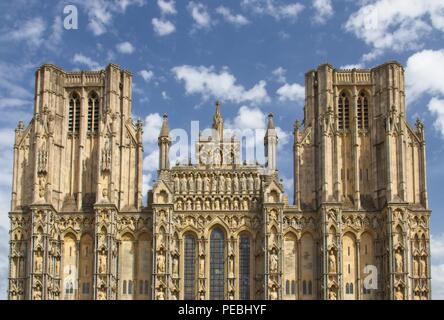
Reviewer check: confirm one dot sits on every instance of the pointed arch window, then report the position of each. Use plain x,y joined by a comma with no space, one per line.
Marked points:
190,267
344,111
217,264
244,267
362,110
74,113
93,112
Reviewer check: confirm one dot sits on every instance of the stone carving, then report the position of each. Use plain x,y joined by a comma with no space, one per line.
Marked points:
106,157
398,261
160,262
332,262
273,261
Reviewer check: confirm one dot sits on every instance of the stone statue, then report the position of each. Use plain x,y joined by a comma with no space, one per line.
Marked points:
179,205
231,266
250,183
332,262
236,184
273,261
243,183
423,267
202,266
102,261
217,204
273,293
257,183
214,184
176,183
245,204
183,184
228,184
207,204
227,204
236,204
415,266
398,261
198,205
160,263
189,204
175,265
221,184
332,295
399,295
207,184
198,183
191,184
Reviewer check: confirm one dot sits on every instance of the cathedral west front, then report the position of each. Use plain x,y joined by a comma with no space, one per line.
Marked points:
219,228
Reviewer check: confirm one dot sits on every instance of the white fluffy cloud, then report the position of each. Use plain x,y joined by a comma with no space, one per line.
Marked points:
279,74
274,8
200,15
436,108
323,11
437,253
235,19
352,66
30,31
221,85
167,6
147,75
423,73
291,92
424,78
101,12
125,47
395,24
86,61
163,27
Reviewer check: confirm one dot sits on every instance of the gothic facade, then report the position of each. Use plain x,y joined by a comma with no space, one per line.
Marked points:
217,227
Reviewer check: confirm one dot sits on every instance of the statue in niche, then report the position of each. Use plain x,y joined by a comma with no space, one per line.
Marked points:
102,261
250,182
399,295
227,204
416,266
189,204
423,267
202,266
207,204
160,294
160,240
179,205
207,184
231,266
273,261
332,295
160,262
106,157
198,204
398,261
243,183
332,262
37,293
254,205
228,184
42,186
175,265
214,184
198,183
236,184
236,204
191,183
245,204
217,158
176,183
273,293
183,184
221,184
257,183
38,261
217,204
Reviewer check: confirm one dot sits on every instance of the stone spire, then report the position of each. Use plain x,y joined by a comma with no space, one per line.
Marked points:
270,143
165,130
218,122
164,142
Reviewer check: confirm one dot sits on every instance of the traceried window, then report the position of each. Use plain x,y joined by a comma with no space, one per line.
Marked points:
362,111
344,111
74,113
217,264
93,112
244,267
190,267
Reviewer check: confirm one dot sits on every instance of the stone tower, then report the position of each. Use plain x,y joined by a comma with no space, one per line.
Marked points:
360,165
71,178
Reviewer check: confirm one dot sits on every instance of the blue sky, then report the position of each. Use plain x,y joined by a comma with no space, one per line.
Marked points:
250,54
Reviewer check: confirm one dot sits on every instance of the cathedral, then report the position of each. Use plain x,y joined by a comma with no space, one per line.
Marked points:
219,228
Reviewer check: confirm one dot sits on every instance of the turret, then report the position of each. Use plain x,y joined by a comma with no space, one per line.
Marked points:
270,143
164,142
218,122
